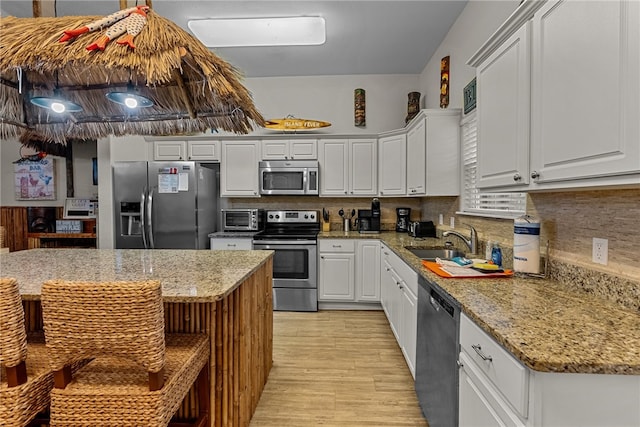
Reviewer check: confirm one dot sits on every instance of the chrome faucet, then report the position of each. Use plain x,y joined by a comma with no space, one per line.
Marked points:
472,242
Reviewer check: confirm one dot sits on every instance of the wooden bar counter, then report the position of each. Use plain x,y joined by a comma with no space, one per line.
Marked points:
226,294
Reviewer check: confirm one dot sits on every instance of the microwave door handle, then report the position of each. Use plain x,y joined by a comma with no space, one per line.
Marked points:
305,181
143,214
150,218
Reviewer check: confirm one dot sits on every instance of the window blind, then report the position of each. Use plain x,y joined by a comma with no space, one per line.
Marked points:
474,200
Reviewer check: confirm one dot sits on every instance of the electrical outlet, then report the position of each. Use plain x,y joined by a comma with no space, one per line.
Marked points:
600,251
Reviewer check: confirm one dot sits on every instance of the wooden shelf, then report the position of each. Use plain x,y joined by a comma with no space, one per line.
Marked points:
61,240
61,235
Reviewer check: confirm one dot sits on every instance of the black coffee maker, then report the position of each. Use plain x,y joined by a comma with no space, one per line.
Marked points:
369,219
402,219
375,214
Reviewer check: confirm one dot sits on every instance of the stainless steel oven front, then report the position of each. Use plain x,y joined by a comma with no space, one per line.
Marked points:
294,273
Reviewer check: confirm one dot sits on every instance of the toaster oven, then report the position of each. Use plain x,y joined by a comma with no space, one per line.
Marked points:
241,219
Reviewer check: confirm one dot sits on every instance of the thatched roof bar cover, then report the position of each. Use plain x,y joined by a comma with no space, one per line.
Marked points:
193,90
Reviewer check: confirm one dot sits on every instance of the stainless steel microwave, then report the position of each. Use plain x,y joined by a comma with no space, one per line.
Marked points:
289,177
242,219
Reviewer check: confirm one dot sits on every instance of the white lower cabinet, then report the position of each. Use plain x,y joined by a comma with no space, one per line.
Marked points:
348,270
498,390
368,270
231,243
398,296
336,267
480,404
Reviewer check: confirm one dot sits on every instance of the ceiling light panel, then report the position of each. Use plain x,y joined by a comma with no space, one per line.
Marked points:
287,31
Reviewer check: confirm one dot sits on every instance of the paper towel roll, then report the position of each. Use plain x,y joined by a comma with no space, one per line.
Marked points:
526,245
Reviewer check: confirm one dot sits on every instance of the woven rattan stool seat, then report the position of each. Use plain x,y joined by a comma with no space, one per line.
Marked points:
113,392
120,325
20,403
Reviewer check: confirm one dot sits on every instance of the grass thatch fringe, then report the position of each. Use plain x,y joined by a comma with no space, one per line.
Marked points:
211,87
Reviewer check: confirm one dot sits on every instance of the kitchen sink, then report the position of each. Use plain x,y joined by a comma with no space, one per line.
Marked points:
430,254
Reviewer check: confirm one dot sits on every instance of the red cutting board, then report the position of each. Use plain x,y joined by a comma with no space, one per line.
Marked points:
435,267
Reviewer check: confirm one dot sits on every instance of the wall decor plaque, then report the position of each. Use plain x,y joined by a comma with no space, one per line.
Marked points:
359,108
35,180
444,82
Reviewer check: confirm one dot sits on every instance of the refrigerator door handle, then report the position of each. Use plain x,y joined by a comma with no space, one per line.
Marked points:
150,217
143,214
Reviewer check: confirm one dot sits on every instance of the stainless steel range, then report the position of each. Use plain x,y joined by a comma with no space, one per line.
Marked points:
293,236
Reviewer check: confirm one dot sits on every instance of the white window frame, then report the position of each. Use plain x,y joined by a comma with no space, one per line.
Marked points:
474,201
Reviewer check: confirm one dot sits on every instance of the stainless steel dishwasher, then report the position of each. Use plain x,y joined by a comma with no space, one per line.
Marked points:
437,348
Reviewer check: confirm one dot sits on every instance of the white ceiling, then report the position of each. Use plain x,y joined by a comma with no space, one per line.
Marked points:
363,37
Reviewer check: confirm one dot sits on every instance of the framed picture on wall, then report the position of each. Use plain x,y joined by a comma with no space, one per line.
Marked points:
35,180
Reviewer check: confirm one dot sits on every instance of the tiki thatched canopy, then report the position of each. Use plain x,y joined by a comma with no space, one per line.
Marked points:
192,89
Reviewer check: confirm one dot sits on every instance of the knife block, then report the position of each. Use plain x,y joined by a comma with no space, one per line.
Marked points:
326,227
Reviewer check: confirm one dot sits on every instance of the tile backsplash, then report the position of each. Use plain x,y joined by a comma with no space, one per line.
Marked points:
569,221
334,204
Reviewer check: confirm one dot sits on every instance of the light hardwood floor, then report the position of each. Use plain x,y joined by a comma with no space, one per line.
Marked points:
337,368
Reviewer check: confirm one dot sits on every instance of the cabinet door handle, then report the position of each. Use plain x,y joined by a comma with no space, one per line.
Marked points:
336,246
517,177
478,350
535,174
230,245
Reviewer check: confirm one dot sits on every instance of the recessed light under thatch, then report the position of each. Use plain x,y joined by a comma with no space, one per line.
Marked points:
193,90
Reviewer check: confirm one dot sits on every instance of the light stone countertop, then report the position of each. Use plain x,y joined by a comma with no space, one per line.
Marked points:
548,326
185,275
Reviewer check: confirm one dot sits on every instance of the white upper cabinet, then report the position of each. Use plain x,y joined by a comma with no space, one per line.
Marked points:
416,155
196,150
363,179
559,97
503,104
334,167
290,149
169,150
348,167
203,150
239,168
585,90
442,132
392,169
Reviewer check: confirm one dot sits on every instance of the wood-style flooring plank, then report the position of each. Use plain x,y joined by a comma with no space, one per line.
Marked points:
337,368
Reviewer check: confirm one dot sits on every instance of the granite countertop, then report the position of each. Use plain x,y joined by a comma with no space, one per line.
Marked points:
186,275
546,325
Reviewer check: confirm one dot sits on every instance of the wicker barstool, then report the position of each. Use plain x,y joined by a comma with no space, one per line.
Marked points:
139,376
24,390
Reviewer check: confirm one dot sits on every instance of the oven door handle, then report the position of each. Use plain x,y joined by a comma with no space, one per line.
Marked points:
288,243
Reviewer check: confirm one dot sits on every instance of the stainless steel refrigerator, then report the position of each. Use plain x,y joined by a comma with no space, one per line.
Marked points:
165,205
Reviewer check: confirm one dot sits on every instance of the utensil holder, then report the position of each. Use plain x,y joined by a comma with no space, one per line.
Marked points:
346,224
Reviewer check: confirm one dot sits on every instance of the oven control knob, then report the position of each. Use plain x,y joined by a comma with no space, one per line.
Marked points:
306,216
277,216
271,216
313,216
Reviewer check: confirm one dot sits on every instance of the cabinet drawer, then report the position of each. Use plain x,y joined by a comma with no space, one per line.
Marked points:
226,243
336,245
402,269
509,376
